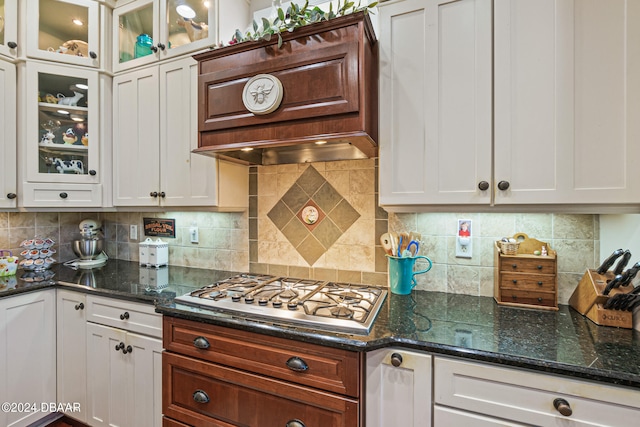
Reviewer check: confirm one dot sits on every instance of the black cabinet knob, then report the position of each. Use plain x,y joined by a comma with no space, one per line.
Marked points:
483,185
396,359
539,267
540,283
539,299
93,55
11,196
200,396
514,281
128,349
201,343
297,364
563,407
120,346
124,315
154,194
503,185
63,195
295,423
162,194
12,45
514,265
153,48
161,46
79,306
92,172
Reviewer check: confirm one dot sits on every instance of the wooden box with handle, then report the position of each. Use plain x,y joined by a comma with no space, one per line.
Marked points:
527,278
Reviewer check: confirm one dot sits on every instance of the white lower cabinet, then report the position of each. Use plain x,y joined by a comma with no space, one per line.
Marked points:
27,357
398,388
125,384
71,328
469,393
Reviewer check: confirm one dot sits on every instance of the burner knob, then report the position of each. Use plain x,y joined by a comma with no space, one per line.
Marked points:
235,298
263,301
292,305
297,364
295,423
396,359
277,304
248,299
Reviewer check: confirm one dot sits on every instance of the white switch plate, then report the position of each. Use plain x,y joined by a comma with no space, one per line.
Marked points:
193,234
133,232
464,239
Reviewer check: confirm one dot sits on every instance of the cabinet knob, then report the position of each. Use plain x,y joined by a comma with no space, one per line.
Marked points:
63,195
295,423
120,346
297,364
162,194
483,185
540,283
514,265
12,45
539,267
514,297
514,281
396,359
92,172
503,185
201,343
93,55
11,196
124,315
161,46
79,306
563,407
154,48
154,194
129,349
539,299
200,396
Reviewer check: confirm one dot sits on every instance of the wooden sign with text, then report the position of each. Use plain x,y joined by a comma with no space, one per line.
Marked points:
160,227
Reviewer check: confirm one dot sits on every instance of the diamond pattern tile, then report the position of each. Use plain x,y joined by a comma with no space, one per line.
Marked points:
336,215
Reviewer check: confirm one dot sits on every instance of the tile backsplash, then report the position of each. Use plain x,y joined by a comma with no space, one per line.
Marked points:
266,241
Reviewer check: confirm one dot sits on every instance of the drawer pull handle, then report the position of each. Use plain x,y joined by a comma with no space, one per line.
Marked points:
297,364
79,306
200,396
515,297
396,359
539,267
562,406
539,283
514,281
201,342
124,315
295,423
514,265
539,299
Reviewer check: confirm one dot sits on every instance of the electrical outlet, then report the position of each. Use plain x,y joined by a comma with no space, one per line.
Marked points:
464,240
193,234
133,232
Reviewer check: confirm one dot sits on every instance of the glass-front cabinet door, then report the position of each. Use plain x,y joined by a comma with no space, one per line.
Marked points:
64,31
9,28
62,143
146,30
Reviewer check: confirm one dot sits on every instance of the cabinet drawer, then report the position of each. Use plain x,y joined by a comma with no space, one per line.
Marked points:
530,282
62,195
328,369
527,397
131,316
195,391
518,296
528,265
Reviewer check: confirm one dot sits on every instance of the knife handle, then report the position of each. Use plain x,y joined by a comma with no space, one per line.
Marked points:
626,256
607,263
614,283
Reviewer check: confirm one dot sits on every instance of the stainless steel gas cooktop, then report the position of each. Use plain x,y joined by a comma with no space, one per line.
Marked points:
330,306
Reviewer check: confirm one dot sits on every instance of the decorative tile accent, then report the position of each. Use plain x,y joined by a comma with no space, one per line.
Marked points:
335,215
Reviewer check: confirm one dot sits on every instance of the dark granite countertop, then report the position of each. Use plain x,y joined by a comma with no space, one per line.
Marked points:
562,342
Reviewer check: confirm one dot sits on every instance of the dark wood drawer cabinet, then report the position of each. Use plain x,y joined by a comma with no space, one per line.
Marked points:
217,376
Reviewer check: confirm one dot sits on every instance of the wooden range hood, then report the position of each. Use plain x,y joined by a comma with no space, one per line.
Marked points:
327,75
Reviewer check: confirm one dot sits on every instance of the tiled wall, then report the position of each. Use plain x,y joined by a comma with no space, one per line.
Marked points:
223,237
252,241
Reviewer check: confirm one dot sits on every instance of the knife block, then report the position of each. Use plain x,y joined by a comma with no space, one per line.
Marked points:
588,300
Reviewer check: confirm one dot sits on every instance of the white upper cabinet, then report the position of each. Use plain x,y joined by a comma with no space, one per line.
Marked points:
435,102
64,31
146,31
567,101
9,28
533,102
8,177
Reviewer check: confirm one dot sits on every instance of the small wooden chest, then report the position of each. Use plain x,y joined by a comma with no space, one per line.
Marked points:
525,279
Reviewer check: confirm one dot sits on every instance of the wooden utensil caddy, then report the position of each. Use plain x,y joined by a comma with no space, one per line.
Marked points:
525,279
588,300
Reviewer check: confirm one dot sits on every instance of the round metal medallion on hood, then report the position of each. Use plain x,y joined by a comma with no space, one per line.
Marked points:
262,94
